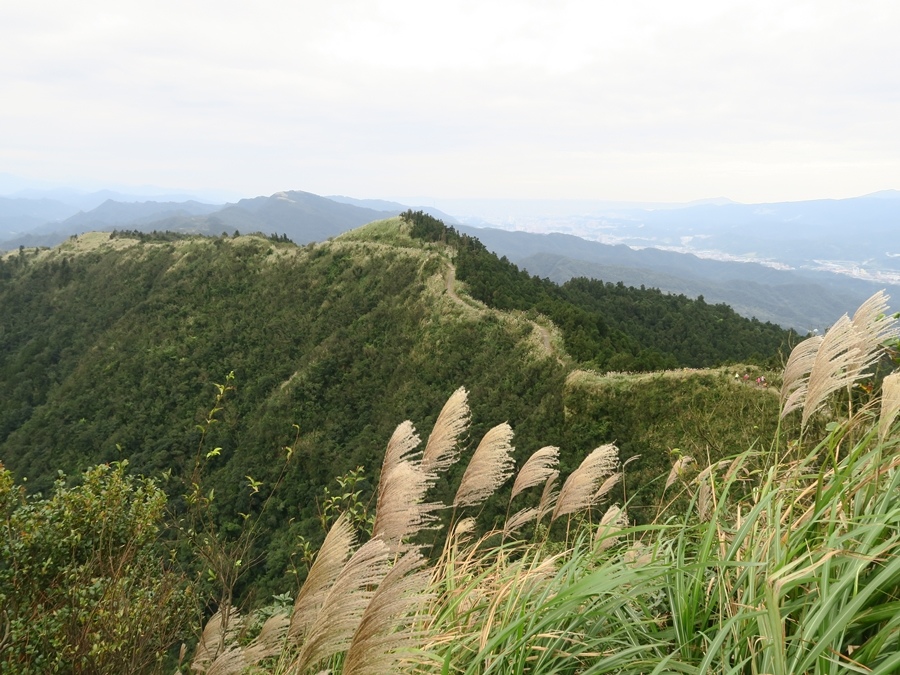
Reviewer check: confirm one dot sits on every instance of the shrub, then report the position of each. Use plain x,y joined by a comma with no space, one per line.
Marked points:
83,580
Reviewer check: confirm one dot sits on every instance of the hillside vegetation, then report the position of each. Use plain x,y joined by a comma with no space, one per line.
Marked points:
779,560
111,345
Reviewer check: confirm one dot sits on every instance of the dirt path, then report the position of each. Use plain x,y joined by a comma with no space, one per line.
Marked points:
543,333
450,279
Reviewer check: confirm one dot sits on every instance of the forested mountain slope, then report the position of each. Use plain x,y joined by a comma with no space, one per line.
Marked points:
110,346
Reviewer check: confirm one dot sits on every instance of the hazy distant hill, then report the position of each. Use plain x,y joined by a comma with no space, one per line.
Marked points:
302,216
812,234
795,233
124,215
18,215
394,208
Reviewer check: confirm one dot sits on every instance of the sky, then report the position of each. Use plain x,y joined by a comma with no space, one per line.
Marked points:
646,100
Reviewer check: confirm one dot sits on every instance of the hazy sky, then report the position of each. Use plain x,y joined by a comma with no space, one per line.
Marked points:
642,100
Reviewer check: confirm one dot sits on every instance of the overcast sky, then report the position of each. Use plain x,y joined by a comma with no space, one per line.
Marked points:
643,100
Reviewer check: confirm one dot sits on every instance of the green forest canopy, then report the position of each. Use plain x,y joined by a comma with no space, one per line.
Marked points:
109,348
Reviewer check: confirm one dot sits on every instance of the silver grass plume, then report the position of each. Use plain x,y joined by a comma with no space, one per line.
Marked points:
838,364
328,564
270,641
388,632
221,629
578,491
821,365
607,485
890,404
519,518
399,508
231,661
237,658
611,523
442,448
796,374
343,606
707,472
536,470
873,326
401,447
463,527
400,511
678,470
704,496
548,495
637,555
491,465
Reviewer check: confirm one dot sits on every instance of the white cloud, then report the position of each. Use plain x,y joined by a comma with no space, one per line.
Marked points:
645,100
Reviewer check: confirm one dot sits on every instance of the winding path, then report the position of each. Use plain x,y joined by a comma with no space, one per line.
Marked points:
450,286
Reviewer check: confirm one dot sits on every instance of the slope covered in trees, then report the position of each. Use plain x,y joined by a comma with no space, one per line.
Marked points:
109,349
611,326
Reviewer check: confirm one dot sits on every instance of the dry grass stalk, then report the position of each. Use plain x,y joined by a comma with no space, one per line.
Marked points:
890,404
388,630
491,465
343,606
796,374
704,498
216,633
328,564
579,490
548,496
442,448
400,511
536,470
518,519
678,470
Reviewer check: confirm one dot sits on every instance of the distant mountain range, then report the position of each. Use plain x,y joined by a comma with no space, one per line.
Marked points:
832,254
302,216
801,299
854,236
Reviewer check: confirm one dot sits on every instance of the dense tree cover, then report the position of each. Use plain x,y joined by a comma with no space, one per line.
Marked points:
607,325
112,353
658,418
